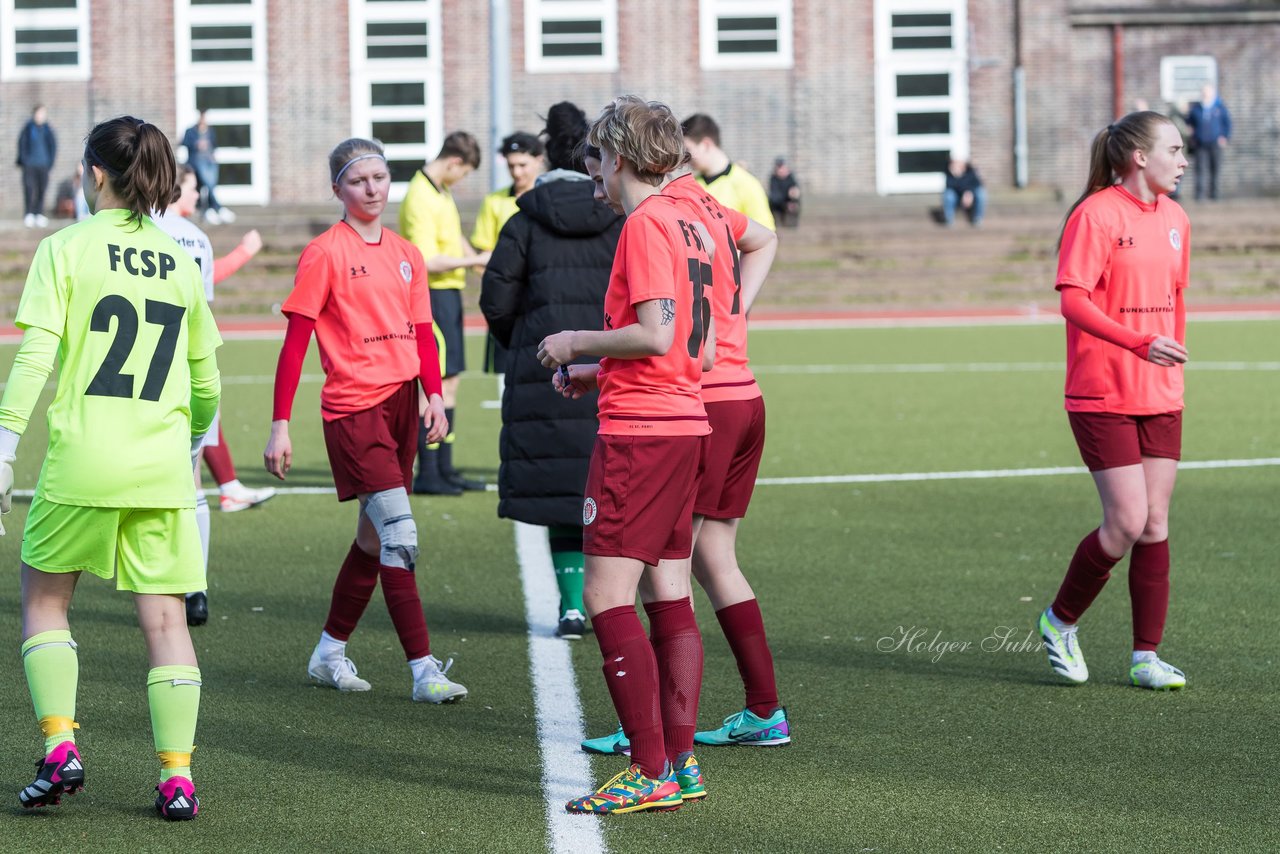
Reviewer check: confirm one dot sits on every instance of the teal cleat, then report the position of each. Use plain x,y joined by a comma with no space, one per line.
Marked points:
748,729
614,744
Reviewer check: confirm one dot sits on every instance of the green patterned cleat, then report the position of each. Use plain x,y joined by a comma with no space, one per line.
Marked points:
747,728
689,776
1157,675
631,791
616,743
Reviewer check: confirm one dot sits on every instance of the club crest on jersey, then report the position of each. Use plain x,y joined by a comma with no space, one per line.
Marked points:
588,511
406,271
1175,239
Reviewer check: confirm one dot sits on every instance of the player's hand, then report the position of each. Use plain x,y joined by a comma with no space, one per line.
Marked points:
6,489
1166,352
556,350
252,242
278,456
573,381
435,421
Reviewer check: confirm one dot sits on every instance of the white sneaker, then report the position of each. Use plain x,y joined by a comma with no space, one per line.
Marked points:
42,221
242,498
336,671
227,215
1064,650
1157,675
435,686
29,220
211,216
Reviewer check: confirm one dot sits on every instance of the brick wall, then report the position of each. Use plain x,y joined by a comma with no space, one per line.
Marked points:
820,113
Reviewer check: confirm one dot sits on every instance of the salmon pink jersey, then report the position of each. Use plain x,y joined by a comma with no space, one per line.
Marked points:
1134,259
660,255
366,299
730,378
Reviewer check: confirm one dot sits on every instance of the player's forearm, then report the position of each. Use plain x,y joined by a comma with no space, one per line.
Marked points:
206,390
754,268
1078,309
230,263
635,341
31,368
428,359
445,263
289,366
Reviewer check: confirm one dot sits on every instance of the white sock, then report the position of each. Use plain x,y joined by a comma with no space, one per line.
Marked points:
231,486
419,667
202,523
331,647
1144,655
1057,622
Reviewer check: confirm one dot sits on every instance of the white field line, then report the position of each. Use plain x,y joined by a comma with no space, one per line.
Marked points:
566,773
853,368
1029,319
888,477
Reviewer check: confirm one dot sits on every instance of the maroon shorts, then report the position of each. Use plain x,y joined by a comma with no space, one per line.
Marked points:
373,450
733,458
1108,440
639,497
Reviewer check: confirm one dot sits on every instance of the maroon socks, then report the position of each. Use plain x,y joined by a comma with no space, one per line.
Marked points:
1089,570
744,629
1149,593
400,589
351,593
631,672
677,645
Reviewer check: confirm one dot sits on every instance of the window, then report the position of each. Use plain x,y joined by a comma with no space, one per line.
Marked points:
922,83
1181,78
220,66
743,34
397,82
571,35
44,39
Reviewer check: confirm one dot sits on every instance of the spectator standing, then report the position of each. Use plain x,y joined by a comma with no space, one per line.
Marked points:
37,148
1210,124
201,144
730,184
784,194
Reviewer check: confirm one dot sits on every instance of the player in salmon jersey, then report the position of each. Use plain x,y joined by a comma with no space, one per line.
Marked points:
1123,263
123,312
363,290
735,409
642,480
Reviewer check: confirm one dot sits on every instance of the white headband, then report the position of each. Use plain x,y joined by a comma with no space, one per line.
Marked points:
356,160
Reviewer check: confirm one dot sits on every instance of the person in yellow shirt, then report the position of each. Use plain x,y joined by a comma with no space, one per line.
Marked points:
523,153
429,219
730,184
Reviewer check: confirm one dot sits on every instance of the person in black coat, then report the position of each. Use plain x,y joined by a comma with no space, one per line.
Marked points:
549,272
37,150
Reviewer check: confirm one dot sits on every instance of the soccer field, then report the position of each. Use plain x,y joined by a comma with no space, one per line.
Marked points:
920,497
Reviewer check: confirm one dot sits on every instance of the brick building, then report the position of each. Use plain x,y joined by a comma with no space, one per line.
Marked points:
863,95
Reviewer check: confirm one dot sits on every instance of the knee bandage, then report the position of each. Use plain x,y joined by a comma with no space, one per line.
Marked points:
391,517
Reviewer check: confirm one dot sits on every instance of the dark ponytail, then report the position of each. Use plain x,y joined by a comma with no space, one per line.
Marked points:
565,131
138,161
1112,152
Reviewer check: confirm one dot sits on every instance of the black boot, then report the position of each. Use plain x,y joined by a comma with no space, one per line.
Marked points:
429,481
447,471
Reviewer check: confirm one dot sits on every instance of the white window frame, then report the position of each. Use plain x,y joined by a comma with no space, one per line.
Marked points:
709,13
538,11
365,72
889,64
12,20
253,74
1170,64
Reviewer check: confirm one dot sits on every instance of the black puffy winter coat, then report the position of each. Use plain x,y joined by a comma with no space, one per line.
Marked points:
548,273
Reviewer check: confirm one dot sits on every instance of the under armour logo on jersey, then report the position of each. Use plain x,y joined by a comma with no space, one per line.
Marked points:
1124,242
409,323
356,272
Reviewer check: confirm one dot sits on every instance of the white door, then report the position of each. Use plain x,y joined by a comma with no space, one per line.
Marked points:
220,61
922,92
